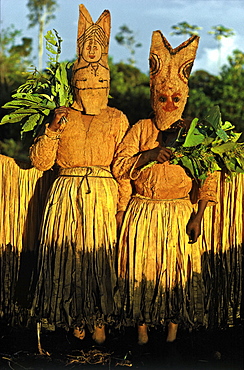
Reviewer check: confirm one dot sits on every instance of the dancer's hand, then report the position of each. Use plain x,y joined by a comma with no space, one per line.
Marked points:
193,230
159,154
60,115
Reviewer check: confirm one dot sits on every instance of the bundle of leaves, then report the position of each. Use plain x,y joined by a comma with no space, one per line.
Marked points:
42,92
209,145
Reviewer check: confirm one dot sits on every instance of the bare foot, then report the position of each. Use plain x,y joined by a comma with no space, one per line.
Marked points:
172,332
79,333
142,334
99,334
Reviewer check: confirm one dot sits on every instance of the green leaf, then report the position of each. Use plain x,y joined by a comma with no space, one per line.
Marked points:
25,110
220,149
236,136
51,49
54,91
203,177
12,118
45,111
63,74
241,162
50,38
208,140
222,134
13,104
194,137
227,126
31,122
187,162
214,117
48,104
31,97
197,167
62,87
47,97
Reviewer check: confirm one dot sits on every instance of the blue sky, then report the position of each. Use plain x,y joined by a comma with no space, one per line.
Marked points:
143,17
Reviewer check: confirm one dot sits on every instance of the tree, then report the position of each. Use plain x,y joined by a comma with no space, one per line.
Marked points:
231,93
219,32
14,61
184,28
225,90
129,91
41,12
126,38
202,94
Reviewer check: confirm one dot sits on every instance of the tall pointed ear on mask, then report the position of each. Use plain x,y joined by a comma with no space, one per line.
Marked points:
85,20
180,58
104,21
159,42
186,52
159,54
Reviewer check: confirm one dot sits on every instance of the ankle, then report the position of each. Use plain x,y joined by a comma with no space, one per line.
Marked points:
142,334
172,332
99,335
79,333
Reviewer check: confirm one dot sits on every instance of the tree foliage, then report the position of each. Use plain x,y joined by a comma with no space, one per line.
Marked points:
129,91
221,31
184,28
126,37
202,94
40,13
39,9
14,60
225,90
230,91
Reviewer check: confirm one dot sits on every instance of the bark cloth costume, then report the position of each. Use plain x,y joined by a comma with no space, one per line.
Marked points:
155,258
76,268
203,283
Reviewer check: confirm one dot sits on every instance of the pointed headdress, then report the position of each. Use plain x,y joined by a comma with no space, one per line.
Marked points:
169,72
91,77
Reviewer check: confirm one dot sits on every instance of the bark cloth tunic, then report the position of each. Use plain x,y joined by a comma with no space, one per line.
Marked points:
157,266
76,263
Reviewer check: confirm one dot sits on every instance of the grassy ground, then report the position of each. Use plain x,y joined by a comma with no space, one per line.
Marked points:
201,349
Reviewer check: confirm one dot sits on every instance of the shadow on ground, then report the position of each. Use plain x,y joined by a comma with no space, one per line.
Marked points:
199,349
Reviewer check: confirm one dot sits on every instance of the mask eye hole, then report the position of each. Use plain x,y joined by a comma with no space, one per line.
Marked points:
176,99
185,70
163,99
154,63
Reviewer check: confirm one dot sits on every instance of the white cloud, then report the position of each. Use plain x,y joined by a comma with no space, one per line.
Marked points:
212,59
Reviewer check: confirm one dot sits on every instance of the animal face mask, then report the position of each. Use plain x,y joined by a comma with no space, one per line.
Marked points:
90,75
169,73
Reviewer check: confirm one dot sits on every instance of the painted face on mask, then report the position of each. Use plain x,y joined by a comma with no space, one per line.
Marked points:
92,51
91,77
169,73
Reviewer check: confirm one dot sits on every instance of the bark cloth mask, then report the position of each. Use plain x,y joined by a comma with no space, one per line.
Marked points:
169,72
90,74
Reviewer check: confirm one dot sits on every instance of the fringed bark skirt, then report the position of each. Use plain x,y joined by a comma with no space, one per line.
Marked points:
76,267
159,271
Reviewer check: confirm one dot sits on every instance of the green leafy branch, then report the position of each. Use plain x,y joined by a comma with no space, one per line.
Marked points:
42,92
209,145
